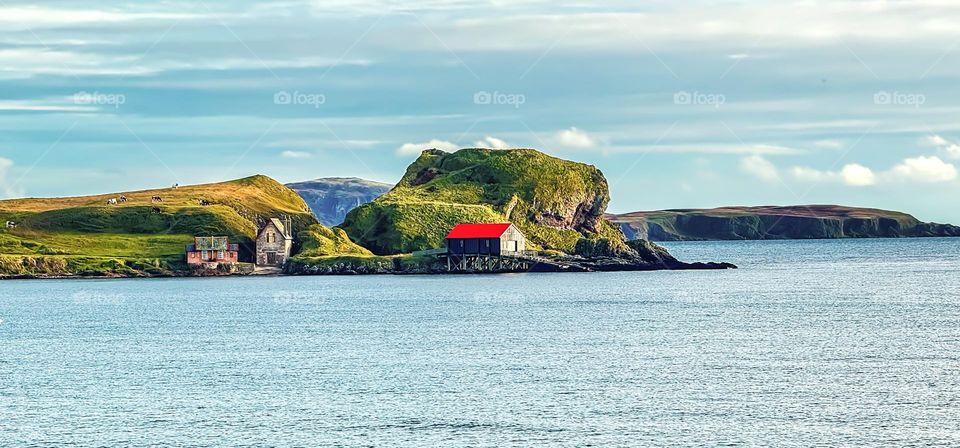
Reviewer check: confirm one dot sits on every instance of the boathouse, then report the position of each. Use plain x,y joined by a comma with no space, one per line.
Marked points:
212,251
486,239
274,242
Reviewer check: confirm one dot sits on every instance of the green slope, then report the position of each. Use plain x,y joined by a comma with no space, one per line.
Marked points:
556,203
85,235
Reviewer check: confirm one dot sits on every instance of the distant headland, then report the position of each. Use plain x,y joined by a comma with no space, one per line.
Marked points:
776,223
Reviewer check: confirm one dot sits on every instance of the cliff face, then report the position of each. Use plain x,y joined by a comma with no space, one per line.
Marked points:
555,202
331,198
758,223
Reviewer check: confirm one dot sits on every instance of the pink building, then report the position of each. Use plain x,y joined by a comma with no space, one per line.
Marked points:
212,250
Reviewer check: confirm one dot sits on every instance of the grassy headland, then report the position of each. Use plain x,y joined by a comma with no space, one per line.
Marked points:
555,202
85,235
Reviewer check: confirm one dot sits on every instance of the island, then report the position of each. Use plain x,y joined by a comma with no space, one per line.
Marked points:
558,205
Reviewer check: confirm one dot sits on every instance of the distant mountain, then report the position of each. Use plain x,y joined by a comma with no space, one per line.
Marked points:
768,222
331,198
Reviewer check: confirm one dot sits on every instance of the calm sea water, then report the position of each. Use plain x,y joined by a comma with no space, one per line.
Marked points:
833,343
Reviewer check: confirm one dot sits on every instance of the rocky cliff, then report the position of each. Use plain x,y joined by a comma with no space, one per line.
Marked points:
759,223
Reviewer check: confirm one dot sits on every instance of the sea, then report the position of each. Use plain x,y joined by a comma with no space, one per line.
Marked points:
809,343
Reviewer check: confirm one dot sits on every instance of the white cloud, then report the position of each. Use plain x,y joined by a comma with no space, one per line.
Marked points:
951,149
924,169
575,138
44,105
853,175
27,62
828,144
505,25
413,149
6,189
492,143
296,155
857,175
38,17
711,149
808,174
759,167
935,140
917,170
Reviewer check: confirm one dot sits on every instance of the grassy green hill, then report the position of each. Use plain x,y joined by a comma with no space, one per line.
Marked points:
60,236
556,203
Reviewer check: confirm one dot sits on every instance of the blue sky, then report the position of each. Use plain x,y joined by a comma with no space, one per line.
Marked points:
681,104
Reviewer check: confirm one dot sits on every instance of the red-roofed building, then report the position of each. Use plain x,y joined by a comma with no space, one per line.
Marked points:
485,239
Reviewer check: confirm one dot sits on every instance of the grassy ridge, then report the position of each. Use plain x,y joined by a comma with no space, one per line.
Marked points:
61,236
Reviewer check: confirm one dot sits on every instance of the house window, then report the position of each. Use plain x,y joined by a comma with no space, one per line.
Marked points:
271,237
220,255
204,255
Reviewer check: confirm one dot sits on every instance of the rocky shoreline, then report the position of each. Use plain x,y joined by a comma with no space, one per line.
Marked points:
398,266
401,266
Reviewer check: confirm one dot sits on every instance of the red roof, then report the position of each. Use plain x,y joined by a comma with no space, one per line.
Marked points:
478,230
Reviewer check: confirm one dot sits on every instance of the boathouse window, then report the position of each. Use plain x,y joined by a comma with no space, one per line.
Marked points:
271,237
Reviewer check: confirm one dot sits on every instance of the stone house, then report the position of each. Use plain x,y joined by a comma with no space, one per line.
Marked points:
274,242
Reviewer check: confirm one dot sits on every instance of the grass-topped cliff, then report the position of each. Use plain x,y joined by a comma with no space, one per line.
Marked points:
791,222
555,202
61,236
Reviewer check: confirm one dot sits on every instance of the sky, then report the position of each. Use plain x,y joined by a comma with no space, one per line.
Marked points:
682,104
